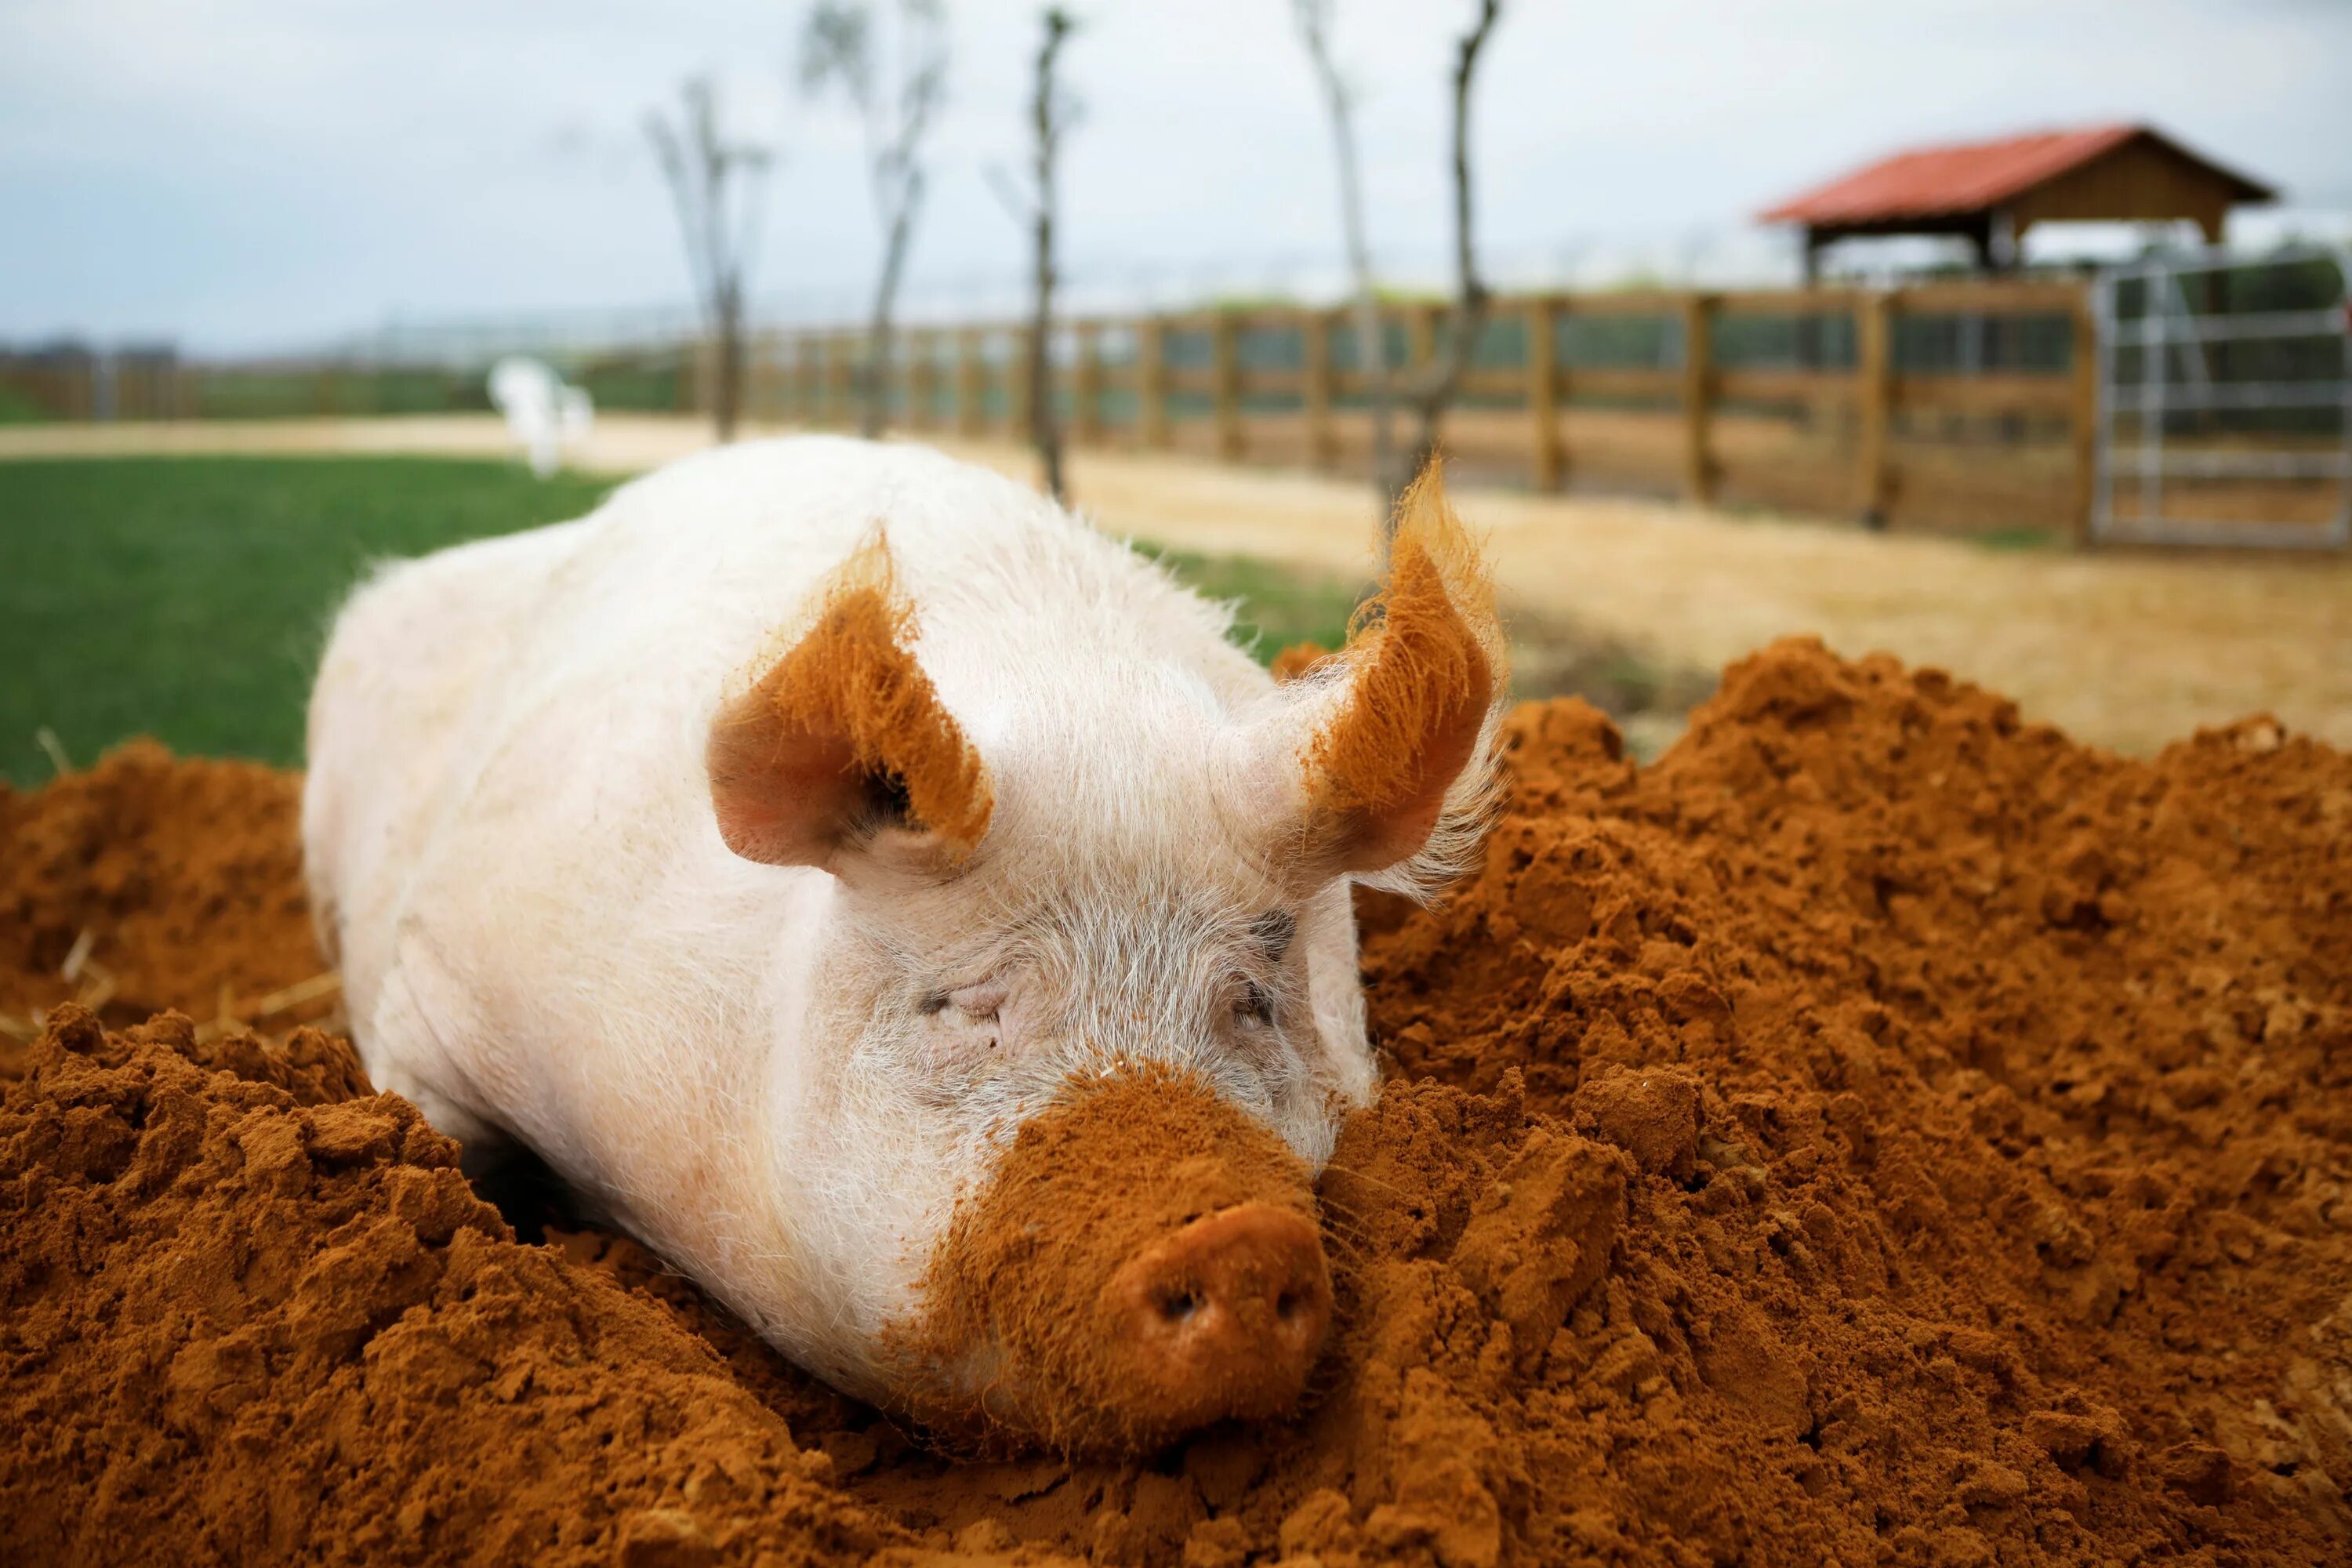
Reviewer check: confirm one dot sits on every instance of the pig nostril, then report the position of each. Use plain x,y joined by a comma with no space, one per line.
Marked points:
1178,1306
1286,1305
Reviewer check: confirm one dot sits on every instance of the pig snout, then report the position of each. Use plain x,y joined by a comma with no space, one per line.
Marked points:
1143,1260
1224,1318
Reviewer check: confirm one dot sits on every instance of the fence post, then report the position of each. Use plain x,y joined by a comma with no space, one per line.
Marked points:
1547,462
1225,383
1420,336
914,343
694,385
2083,428
1698,396
1314,384
1151,384
1085,384
759,392
1016,386
841,379
1874,402
971,393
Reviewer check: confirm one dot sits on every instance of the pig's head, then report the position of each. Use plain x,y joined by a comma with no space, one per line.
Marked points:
1086,1014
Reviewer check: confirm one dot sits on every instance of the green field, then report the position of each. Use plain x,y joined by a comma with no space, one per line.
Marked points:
187,597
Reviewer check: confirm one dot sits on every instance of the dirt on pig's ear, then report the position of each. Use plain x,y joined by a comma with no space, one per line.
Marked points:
1400,763
845,734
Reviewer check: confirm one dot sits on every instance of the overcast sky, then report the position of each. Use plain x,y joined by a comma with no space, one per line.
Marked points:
254,172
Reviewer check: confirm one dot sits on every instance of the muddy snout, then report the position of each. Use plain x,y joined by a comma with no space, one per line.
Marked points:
1146,1260
1224,1318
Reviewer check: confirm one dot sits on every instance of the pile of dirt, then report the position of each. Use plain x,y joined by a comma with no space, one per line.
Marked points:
255,1314
1880,1131
150,882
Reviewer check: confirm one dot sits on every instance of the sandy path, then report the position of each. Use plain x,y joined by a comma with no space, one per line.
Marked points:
2128,650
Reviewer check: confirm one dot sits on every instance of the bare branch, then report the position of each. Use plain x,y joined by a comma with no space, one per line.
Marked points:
1051,113
1314,18
1434,389
1006,188
716,188
844,42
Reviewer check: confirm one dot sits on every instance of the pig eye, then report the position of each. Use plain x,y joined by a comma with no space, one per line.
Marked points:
1255,1006
979,1004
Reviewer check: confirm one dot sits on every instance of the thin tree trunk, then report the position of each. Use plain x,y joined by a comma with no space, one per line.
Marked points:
1372,341
1045,425
874,415
1435,392
727,394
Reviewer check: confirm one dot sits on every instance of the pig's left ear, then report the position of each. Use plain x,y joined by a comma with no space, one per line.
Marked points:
844,736
1394,783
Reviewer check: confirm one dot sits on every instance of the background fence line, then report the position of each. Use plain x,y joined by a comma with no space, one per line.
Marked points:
1881,404
1946,406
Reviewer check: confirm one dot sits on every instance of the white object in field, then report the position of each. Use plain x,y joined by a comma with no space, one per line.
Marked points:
782,1070
544,414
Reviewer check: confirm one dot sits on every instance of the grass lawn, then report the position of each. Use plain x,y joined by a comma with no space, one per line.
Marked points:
188,597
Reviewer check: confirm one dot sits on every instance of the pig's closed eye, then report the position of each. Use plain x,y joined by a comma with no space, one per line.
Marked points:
1255,1005
980,1004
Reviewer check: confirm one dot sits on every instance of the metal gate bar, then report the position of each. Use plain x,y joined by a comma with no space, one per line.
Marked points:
2170,321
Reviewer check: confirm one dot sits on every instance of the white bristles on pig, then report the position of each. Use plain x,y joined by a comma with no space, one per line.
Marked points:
767,849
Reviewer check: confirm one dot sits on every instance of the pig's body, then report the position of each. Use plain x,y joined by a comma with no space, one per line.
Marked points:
543,935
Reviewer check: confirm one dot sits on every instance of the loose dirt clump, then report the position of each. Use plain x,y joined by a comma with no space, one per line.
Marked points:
255,1314
161,882
1880,1133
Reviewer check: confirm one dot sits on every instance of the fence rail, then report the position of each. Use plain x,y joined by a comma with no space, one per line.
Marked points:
1945,406
1948,405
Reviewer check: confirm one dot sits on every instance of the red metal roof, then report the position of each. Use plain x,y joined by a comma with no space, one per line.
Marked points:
1946,182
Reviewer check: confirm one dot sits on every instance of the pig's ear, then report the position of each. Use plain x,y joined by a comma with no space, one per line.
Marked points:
1396,773
844,736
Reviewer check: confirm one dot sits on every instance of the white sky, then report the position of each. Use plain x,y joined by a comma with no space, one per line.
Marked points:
254,172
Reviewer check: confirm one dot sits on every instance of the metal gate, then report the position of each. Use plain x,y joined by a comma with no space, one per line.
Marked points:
2225,401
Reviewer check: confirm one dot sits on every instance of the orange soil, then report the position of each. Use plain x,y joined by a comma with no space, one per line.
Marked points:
1880,1133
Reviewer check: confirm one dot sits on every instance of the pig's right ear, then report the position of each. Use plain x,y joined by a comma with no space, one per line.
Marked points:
1378,762
845,736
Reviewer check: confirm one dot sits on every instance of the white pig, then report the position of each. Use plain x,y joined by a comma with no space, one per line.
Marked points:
763,848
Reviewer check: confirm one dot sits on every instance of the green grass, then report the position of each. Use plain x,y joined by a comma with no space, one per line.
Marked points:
188,597
1279,606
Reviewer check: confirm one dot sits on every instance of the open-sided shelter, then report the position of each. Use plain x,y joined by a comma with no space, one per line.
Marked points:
1991,192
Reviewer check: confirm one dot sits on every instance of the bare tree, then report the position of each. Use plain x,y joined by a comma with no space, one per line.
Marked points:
1051,113
716,186
1314,18
1432,391
897,85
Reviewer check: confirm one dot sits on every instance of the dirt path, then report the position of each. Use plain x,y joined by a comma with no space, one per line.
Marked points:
2129,651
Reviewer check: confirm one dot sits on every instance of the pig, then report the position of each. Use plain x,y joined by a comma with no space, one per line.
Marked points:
818,829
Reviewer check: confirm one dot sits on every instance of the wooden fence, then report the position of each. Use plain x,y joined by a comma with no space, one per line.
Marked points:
83,385
1961,406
